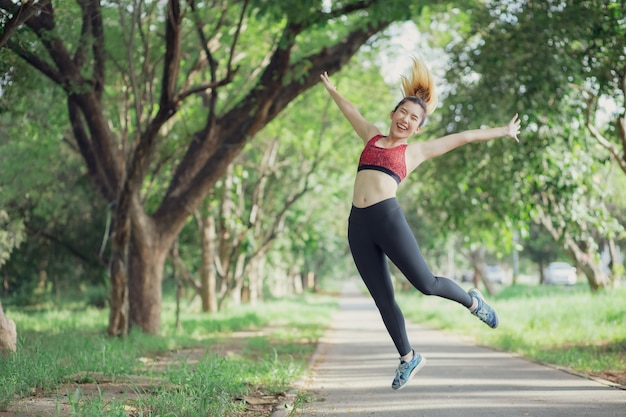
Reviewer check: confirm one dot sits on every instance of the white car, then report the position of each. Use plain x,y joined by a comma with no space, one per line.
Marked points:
495,273
559,273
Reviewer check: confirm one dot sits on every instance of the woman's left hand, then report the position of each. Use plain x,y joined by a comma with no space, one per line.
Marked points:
513,128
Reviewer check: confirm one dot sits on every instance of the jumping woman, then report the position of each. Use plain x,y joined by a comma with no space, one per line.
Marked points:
377,227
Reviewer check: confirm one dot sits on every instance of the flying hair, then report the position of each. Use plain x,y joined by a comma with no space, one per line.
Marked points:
420,84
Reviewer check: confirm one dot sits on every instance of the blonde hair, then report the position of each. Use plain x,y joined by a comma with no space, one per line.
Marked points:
420,84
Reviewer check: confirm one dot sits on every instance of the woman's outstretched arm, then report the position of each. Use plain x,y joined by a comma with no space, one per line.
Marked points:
422,151
362,127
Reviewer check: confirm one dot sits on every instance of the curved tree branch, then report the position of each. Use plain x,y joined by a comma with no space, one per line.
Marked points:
20,15
591,108
36,62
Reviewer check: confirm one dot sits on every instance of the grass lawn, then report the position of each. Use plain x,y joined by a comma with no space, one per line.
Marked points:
564,326
234,363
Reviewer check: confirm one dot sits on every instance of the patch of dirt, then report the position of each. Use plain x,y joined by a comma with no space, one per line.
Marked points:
618,378
62,402
259,404
59,403
85,385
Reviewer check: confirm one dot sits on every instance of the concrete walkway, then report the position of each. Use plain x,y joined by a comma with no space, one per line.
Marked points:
351,374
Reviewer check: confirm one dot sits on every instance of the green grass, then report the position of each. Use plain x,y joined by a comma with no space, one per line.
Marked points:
267,347
565,326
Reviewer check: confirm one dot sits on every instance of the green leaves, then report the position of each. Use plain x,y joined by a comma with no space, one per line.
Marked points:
11,235
525,59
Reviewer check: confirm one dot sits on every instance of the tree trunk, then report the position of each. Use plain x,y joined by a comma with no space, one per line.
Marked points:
8,334
542,275
477,258
255,279
139,251
119,303
179,283
207,272
146,260
297,281
236,280
588,264
615,265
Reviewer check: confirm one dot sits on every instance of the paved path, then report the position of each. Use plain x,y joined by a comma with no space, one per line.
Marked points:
352,370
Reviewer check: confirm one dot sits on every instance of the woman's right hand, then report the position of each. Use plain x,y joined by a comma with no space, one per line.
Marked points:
329,86
362,127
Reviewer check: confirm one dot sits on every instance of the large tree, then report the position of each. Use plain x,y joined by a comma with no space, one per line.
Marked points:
535,58
162,96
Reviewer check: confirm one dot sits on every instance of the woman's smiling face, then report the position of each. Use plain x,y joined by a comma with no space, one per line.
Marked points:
406,119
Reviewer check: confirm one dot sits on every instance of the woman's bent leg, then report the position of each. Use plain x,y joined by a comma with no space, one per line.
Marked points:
402,248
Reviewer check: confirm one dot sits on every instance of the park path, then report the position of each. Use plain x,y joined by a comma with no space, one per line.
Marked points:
352,370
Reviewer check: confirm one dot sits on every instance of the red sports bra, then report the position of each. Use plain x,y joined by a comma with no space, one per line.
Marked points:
388,160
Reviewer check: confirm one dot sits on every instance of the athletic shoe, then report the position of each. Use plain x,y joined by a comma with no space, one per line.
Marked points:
483,310
407,369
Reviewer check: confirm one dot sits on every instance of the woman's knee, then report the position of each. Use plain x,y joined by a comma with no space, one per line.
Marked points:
386,305
427,286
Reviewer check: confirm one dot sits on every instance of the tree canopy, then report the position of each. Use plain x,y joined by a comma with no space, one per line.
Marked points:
162,97
150,105
552,62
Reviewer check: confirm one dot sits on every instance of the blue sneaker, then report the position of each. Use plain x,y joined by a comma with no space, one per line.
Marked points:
406,370
483,310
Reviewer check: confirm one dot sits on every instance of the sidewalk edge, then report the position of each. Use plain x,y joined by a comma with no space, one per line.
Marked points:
284,408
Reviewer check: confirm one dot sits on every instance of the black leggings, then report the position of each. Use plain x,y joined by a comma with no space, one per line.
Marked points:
381,229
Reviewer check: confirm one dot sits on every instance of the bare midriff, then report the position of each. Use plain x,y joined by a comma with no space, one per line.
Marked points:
371,187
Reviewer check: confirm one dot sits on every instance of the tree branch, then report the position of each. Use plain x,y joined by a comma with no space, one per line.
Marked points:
167,102
211,151
20,15
591,108
67,246
230,72
107,183
205,86
36,62
172,55
92,35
